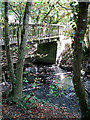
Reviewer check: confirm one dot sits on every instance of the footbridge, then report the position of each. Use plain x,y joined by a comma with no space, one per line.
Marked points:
45,35
37,33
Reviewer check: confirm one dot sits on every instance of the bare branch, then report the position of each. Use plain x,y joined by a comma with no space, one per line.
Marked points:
13,10
48,13
62,6
87,91
20,8
38,15
61,17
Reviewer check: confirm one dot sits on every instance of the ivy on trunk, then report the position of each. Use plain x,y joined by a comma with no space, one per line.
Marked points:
79,36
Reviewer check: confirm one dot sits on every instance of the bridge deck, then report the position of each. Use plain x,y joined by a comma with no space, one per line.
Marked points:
37,33
33,40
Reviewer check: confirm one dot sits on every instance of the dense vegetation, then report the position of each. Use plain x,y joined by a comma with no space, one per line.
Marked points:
73,14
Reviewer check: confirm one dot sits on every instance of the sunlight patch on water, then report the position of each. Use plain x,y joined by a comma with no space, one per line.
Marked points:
65,82
63,79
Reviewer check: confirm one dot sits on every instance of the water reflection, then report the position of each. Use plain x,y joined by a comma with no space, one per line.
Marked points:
63,79
31,69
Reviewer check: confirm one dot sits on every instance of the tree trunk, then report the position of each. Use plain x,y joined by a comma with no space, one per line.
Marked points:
79,36
21,54
19,33
88,38
7,48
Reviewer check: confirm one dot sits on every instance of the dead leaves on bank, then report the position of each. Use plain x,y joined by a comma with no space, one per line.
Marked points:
42,110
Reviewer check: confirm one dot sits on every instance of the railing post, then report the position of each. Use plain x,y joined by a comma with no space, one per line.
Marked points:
36,31
59,32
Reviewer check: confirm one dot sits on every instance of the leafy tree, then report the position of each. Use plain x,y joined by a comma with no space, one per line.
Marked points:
21,53
50,12
18,8
80,18
17,80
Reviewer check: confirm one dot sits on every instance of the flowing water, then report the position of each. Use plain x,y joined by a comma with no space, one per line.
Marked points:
63,78
63,95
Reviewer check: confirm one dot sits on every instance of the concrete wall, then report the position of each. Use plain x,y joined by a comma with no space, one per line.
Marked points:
47,53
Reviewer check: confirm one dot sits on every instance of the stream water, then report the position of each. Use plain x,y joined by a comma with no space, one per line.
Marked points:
54,85
63,78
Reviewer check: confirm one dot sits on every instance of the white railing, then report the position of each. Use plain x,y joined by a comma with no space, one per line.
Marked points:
35,32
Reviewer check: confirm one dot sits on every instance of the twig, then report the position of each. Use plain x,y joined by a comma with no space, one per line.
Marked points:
20,8
13,10
87,91
62,6
48,13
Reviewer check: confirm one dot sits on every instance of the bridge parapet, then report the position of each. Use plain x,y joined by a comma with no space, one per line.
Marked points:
36,32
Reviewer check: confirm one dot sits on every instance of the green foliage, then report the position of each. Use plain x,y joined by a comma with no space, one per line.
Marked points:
10,100
24,104
33,85
30,101
74,8
2,10
82,32
25,80
88,20
25,72
49,12
51,91
73,19
41,12
17,8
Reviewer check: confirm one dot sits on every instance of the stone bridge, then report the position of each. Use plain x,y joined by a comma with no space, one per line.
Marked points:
45,35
